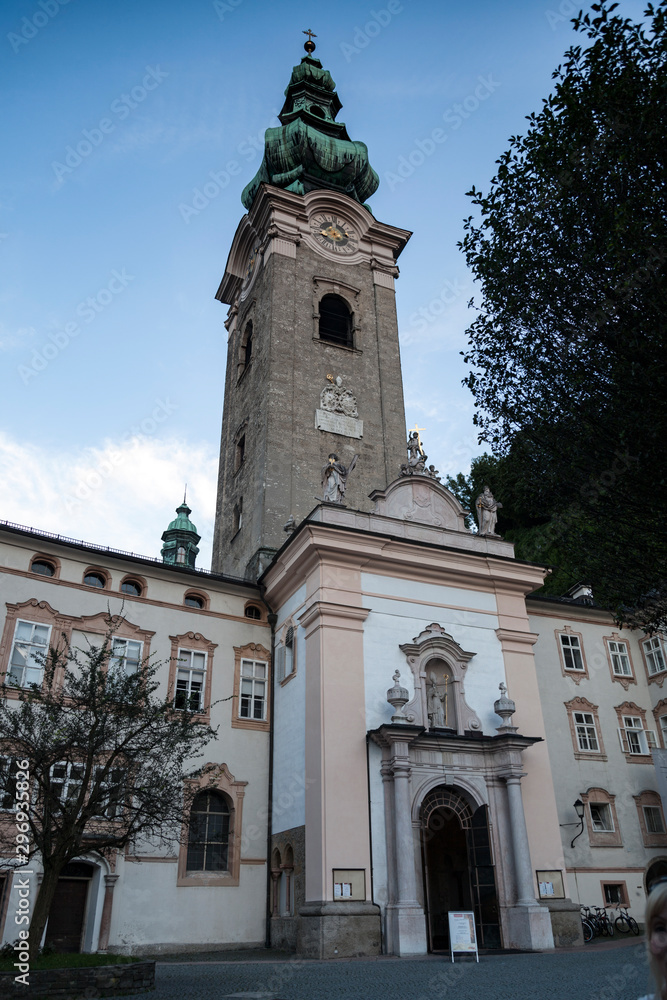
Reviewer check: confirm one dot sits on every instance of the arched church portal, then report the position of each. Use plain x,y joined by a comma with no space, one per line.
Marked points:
458,867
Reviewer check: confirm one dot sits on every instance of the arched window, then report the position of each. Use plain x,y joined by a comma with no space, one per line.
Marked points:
194,601
252,612
180,554
246,346
43,566
131,587
237,520
95,580
208,834
335,321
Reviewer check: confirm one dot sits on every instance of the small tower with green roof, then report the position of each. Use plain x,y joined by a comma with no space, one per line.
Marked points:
180,539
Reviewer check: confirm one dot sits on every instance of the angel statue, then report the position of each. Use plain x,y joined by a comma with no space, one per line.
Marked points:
334,479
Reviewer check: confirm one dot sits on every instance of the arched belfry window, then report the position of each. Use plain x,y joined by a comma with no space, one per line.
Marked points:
335,321
208,834
245,347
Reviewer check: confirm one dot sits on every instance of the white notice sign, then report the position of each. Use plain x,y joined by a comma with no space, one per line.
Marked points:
462,937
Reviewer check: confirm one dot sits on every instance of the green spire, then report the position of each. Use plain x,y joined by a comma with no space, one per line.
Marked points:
310,149
180,539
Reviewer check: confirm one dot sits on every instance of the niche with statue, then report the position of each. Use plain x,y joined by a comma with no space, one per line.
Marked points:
439,667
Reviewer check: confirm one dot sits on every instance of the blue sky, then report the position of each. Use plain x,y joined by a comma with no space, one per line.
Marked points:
115,115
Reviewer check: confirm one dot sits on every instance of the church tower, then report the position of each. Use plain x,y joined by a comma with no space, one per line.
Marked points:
313,365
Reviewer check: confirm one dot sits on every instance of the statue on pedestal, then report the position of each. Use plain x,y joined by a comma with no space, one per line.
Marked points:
435,710
487,507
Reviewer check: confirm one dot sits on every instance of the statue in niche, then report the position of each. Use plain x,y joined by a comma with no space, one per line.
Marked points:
437,712
487,508
334,479
336,399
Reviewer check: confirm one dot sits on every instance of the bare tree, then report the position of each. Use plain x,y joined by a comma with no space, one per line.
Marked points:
107,758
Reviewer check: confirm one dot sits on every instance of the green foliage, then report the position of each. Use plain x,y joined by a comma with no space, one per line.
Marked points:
568,349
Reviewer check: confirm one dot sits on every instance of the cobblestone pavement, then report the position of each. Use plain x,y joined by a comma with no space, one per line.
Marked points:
615,972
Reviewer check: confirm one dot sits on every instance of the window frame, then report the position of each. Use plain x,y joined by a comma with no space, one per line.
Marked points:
283,659
44,650
214,777
582,705
54,564
258,654
566,633
192,642
348,344
650,798
114,666
195,595
656,676
624,899
601,838
133,580
208,840
608,822
631,735
615,640
190,670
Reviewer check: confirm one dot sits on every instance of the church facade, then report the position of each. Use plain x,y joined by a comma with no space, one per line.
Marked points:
404,730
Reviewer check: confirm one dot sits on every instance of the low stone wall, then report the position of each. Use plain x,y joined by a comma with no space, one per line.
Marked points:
82,984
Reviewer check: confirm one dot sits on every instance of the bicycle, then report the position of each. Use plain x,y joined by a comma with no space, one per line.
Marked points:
587,925
624,923
602,917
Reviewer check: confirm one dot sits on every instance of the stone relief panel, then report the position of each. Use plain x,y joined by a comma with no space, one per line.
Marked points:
338,412
421,500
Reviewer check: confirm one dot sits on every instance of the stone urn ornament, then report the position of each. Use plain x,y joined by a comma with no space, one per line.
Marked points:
398,697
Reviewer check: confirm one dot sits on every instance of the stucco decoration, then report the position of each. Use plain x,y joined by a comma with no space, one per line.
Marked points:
439,666
420,499
336,398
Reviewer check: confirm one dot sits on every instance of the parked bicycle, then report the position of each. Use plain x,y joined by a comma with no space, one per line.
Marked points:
595,923
624,923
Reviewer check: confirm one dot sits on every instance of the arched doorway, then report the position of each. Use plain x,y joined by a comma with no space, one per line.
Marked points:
458,867
657,869
64,931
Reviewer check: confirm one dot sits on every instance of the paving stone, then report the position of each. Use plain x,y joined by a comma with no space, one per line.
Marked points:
615,972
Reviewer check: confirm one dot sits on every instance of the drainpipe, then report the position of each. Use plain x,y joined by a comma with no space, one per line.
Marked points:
272,618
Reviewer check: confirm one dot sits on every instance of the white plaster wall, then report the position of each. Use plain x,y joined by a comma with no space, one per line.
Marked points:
406,610
150,909
378,830
573,776
289,735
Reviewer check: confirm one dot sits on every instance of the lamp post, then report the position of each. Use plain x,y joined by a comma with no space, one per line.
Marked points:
580,809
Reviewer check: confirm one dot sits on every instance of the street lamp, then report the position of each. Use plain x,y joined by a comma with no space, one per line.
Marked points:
579,808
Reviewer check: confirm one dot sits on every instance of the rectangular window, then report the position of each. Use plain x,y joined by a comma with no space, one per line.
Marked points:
587,737
634,738
655,659
26,663
285,655
190,676
653,819
113,792
615,893
601,818
253,690
7,783
663,729
571,651
125,656
620,661
66,781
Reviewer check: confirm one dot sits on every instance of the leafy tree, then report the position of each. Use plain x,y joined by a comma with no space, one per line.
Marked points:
106,757
568,350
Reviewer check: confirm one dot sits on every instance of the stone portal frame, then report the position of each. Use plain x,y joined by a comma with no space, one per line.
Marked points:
434,643
216,778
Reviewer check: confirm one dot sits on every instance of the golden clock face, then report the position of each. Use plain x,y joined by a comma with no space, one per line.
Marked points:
251,266
334,234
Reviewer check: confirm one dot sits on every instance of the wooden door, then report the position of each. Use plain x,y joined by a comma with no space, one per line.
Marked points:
68,911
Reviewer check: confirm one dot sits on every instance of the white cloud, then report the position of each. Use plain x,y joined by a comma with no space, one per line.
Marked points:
120,494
